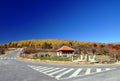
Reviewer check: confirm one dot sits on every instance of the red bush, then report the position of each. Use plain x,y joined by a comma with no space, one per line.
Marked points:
29,51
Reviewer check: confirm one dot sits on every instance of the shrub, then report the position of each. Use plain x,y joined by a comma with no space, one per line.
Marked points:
29,51
2,51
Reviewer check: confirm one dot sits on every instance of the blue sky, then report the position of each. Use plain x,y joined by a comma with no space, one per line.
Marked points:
83,20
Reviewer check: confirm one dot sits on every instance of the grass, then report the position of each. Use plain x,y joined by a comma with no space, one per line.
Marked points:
53,58
99,58
48,58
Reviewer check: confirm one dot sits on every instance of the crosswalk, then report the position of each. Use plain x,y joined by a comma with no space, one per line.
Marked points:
2,62
7,58
66,73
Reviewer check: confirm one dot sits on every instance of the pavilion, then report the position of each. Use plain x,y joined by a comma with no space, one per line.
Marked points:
65,51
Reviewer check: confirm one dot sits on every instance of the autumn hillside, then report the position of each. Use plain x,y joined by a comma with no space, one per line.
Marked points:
49,44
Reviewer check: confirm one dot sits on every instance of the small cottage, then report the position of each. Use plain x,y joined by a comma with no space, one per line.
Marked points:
65,51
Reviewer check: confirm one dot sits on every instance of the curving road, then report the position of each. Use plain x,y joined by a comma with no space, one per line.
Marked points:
13,69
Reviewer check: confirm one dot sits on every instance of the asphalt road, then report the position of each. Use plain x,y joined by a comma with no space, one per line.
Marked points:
13,69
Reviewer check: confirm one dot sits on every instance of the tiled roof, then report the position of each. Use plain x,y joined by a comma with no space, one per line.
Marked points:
65,48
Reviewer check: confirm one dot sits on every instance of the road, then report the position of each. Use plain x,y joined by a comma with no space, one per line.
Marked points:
13,69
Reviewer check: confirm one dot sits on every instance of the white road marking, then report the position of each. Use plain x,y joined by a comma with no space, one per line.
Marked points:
42,68
7,58
107,69
57,71
88,71
51,70
39,67
65,73
61,74
76,73
36,67
47,69
98,70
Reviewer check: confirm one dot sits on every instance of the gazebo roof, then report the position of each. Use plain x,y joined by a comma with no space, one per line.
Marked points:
65,48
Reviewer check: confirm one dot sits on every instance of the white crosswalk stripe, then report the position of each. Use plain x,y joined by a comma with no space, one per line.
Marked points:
75,73
98,70
107,68
7,58
51,70
66,73
46,69
41,68
88,71
61,74
3,62
57,71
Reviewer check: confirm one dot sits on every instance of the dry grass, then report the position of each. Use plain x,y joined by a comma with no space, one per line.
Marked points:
50,61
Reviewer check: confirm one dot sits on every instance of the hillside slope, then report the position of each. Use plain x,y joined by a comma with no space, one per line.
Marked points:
49,43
